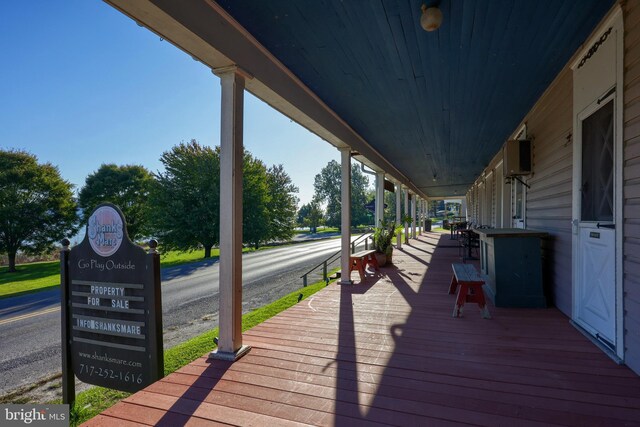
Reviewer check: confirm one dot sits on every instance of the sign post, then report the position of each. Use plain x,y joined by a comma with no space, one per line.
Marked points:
111,308
68,383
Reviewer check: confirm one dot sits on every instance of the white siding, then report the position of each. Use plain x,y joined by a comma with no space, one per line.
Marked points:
631,190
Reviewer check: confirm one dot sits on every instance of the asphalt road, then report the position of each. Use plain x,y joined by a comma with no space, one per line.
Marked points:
30,324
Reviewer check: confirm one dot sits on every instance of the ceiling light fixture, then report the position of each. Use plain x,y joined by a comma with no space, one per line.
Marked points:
431,18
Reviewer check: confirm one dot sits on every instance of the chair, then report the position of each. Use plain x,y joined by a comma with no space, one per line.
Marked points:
461,226
469,241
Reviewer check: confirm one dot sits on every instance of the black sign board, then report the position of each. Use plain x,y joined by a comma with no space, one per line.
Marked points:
389,186
371,206
112,324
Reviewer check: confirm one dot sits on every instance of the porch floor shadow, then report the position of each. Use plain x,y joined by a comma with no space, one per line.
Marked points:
388,351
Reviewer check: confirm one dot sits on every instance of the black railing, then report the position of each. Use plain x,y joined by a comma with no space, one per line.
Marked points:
334,257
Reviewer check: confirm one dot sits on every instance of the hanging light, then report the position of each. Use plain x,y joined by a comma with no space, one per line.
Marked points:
431,18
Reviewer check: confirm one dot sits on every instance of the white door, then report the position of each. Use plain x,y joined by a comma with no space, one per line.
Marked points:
596,281
499,197
517,203
482,202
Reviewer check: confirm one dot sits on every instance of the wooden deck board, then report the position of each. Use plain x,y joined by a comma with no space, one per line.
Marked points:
387,351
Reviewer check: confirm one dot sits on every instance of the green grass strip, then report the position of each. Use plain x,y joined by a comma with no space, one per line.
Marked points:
39,276
32,277
92,402
325,230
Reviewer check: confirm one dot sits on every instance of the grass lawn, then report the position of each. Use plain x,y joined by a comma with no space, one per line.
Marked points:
321,230
31,277
92,402
38,276
173,258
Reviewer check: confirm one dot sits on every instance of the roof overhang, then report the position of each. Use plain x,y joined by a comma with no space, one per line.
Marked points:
205,31
429,109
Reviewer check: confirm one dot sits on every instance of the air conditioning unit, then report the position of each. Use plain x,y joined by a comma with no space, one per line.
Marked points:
517,158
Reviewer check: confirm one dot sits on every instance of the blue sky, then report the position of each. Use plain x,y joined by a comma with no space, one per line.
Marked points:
81,85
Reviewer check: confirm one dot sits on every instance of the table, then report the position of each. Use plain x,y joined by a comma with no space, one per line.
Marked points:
511,258
453,226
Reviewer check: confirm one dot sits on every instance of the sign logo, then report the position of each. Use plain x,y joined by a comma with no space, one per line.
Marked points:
34,415
105,231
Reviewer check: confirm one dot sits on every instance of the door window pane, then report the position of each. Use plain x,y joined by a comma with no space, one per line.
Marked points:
518,187
597,165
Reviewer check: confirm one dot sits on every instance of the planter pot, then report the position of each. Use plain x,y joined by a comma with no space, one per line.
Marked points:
389,255
381,258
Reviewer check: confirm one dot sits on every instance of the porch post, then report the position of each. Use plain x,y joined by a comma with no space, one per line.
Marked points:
406,213
463,208
399,214
424,216
413,215
420,216
231,152
345,220
426,210
379,198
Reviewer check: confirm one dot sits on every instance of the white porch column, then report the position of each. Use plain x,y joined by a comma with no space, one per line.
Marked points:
231,152
463,208
345,209
379,198
413,215
406,213
420,219
422,216
399,214
425,214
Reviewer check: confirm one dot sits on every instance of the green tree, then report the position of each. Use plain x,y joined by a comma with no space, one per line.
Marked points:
269,203
311,215
255,201
186,198
368,216
127,187
36,205
390,211
282,204
302,215
327,189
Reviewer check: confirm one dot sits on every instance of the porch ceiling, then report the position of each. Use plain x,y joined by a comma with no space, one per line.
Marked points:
431,104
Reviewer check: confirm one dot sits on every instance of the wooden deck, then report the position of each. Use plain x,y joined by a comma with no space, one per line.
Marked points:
388,351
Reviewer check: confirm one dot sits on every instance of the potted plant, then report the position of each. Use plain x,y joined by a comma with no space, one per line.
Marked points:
382,237
427,224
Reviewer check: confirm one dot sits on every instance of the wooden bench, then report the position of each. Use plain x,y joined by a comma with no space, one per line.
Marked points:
470,290
360,260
